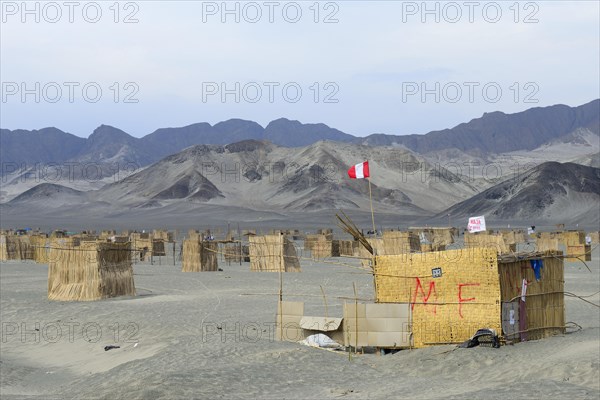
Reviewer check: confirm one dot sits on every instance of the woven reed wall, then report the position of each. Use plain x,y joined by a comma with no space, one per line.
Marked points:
321,247
15,248
200,256
484,239
579,252
310,240
41,248
425,247
90,271
544,300
447,309
231,252
141,243
574,238
273,253
366,257
158,247
3,248
396,242
107,234
436,236
25,249
348,248
193,234
545,244
513,237
595,236
166,236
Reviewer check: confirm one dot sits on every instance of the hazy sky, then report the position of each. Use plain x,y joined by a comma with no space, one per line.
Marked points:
362,67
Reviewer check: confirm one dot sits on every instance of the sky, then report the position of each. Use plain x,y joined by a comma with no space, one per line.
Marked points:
396,67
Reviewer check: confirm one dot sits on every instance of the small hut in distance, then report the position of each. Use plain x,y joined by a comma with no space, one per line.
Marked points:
200,255
90,270
273,253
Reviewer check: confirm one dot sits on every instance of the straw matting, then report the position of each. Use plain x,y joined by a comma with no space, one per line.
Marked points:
200,256
579,252
273,253
484,239
547,243
14,247
544,299
449,308
90,271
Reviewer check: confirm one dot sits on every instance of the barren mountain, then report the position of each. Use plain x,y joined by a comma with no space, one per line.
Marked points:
262,176
498,132
550,191
46,145
493,133
42,194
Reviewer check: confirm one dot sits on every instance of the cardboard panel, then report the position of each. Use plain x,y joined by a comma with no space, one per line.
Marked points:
287,320
510,320
322,324
378,325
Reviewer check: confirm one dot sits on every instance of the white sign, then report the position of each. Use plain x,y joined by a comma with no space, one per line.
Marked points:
476,224
530,231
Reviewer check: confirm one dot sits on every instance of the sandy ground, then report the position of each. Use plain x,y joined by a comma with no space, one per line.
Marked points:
171,347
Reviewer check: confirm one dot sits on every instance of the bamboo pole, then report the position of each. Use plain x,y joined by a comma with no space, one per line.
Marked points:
371,203
325,302
355,318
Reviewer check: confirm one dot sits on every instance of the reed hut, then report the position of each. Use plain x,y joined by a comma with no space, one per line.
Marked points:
454,293
273,253
321,247
577,249
513,236
141,244
392,243
438,237
107,234
425,247
396,242
158,247
236,252
41,248
89,271
3,248
348,248
310,240
327,232
547,244
200,256
16,247
485,239
164,235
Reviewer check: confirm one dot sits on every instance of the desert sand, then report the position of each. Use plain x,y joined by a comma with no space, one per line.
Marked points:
210,335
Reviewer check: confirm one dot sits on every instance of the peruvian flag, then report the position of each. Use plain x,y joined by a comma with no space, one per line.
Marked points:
359,171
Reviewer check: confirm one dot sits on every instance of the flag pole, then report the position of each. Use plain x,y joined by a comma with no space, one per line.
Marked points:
371,202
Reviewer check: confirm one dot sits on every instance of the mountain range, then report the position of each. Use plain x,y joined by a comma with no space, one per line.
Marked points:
493,133
538,165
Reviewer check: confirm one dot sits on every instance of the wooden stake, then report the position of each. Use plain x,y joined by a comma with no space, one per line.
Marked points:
371,203
355,318
325,302
281,303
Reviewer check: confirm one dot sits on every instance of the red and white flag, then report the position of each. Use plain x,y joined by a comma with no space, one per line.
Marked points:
359,171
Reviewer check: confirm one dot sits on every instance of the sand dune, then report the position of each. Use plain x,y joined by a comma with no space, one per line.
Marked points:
181,354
